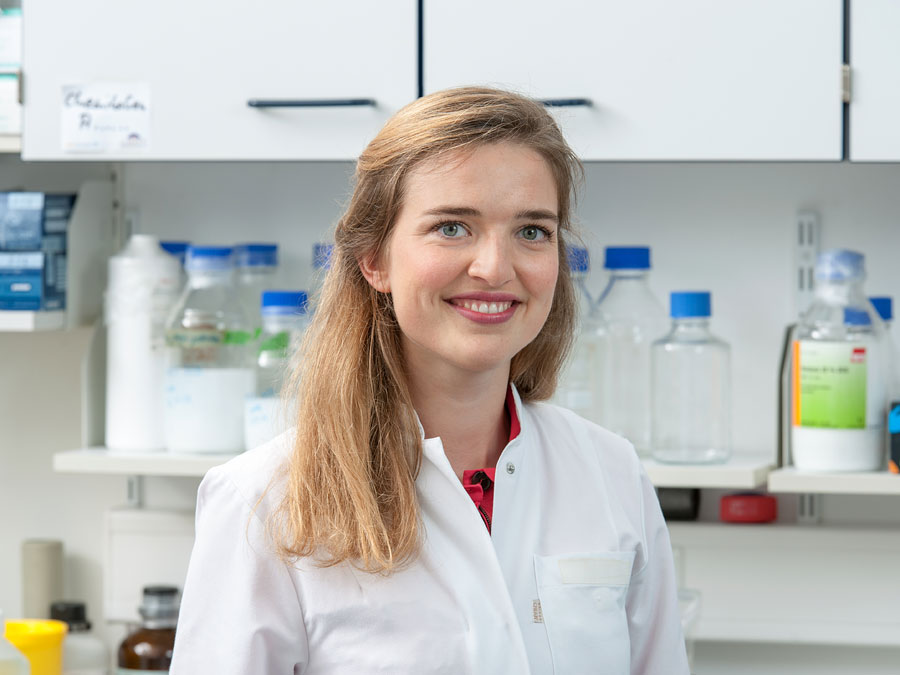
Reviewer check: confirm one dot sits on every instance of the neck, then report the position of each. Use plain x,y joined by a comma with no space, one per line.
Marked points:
467,412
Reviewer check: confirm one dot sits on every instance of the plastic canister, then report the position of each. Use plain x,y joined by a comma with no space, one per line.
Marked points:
40,640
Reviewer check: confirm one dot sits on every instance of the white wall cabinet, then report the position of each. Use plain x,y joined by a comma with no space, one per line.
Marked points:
203,61
686,80
875,61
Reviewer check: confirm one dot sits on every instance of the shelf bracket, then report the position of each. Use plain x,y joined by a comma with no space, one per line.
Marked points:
135,492
809,509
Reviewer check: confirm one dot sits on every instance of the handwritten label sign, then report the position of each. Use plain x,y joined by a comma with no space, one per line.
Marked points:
100,117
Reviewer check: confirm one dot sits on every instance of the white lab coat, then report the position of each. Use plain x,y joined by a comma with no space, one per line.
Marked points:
576,577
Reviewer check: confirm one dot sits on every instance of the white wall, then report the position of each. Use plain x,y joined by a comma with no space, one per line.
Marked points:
725,227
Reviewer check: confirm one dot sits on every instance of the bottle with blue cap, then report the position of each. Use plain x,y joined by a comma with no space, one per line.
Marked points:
209,358
285,318
839,379
575,388
629,319
691,398
257,265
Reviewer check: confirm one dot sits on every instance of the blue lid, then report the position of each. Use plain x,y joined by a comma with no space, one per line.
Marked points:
884,305
579,259
856,317
840,265
284,302
176,248
322,256
687,304
209,258
256,255
627,258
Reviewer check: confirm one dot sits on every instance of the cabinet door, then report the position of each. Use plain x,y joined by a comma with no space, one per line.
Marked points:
667,79
201,61
875,63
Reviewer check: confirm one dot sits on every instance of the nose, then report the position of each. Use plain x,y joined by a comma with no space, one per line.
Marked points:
493,261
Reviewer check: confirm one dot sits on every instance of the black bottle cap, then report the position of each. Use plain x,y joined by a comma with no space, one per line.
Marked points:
73,613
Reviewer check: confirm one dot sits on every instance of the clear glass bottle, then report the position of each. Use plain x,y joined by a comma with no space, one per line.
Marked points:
209,359
12,661
575,387
149,649
691,387
257,265
839,383
285,318
83,652
629,319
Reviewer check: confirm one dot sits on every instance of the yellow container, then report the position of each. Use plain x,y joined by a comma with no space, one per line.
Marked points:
40,640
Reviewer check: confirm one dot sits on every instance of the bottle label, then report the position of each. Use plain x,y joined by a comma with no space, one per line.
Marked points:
829,385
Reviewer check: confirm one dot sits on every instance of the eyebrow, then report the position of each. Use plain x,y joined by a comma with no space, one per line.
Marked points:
527,214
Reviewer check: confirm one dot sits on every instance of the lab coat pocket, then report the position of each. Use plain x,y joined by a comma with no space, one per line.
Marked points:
582,600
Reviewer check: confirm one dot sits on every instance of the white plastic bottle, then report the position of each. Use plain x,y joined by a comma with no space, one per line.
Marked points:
629,319
83,652
209,359
691,380
257,265
575,389
839,384
144,284
12,661
284,320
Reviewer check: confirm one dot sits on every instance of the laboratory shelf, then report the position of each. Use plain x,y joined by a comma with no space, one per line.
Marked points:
103,460
743,471
789,479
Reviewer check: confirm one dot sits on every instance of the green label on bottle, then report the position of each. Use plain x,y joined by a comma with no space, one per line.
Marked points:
276,343
237,337
194,338
829,385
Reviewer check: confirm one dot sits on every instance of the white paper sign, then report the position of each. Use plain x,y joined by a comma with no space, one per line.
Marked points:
102,117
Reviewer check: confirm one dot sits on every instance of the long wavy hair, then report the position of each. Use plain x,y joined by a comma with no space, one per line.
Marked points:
350,493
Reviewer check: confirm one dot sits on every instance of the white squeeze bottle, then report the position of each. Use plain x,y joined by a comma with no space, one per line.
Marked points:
575,388
284,320
209,359
83,652
12,661
839,366
629,319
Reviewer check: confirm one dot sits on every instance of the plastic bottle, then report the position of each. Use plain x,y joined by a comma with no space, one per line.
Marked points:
176,248
256,268
839,382
12,661
691,387
83,652
629,319
149,649
209,358
884,305
575,389
144,284
284,319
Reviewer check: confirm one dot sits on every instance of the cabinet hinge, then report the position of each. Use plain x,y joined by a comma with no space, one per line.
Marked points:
845,83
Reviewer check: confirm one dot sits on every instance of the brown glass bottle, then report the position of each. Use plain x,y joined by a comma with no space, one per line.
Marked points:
150,647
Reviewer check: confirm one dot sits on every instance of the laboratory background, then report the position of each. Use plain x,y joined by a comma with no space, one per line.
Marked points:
169,179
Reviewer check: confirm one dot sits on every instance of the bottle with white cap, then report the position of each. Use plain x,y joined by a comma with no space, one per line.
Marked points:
629,319
284,317
12,661
839,383
209,358
691,379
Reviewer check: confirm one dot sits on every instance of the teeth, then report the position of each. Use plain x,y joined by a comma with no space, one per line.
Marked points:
485,308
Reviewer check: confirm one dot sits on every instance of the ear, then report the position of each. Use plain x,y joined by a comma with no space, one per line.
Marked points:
375,273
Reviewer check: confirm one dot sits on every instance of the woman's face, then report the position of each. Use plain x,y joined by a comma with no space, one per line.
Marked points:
473,259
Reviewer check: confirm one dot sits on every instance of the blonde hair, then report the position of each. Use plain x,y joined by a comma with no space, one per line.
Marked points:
350,493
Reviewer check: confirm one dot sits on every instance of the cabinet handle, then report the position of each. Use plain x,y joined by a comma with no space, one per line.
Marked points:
309,102
566,102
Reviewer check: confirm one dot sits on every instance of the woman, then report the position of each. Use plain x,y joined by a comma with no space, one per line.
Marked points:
428,514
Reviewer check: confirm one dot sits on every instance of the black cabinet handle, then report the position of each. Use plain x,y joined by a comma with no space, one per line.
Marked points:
566,102
309,102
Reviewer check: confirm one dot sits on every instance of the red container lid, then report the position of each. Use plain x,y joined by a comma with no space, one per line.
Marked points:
748,507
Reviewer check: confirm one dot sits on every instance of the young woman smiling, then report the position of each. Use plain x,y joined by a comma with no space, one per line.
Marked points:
428,513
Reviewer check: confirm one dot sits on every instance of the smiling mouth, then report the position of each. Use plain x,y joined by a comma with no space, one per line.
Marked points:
483,307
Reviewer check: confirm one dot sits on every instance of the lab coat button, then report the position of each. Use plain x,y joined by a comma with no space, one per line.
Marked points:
510,468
